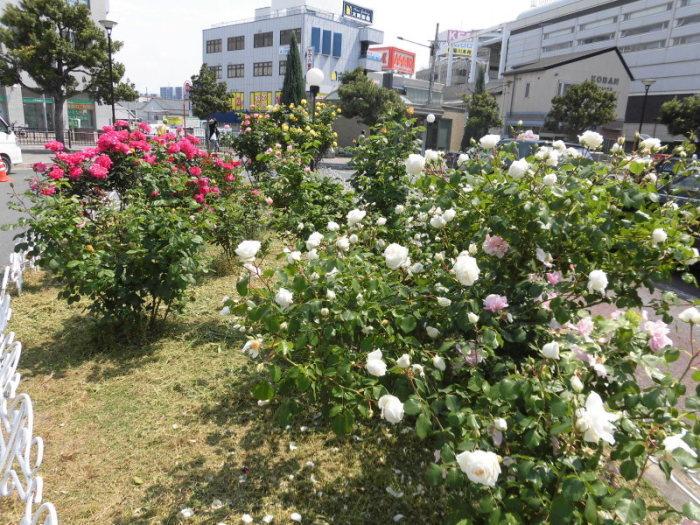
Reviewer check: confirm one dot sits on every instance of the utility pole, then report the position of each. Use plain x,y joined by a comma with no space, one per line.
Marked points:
433,54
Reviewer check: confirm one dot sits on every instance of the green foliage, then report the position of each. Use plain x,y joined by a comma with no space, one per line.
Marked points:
56,43
125,91
294,81
207,94
285,129
457,367
379,161
362,98
583,106
682,116
482,110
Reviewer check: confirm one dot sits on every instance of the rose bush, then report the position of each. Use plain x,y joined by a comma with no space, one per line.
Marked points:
467,314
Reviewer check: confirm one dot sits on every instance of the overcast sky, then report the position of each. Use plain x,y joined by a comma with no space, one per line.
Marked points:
162,38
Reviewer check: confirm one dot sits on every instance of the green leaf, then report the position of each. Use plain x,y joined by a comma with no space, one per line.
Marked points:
631,511
408,323
343,422
629,469
671,355
561,510
263,391
423,426
691,511
412,406
591,511
242,286
73,264
434,475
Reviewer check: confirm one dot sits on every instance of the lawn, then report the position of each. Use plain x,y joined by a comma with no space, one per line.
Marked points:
137,432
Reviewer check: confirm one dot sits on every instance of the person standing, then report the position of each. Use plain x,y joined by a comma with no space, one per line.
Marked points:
214,135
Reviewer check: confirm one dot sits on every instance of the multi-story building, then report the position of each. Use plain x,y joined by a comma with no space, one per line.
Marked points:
251,55
167,93
30,108
659,39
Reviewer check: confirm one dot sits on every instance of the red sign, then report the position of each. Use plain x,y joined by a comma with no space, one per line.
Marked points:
395,59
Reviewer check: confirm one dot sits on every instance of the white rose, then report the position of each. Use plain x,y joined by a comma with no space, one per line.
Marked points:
418,370
617,148
404,361
489,141
330,295
343,244
449,215
572,153
480,466
416,268
312,255
415,164
353,239
500,424
432,332
391,408
300,226
438,222
473,318
690,315
650,145
597,281
325,312
395,256
550,179
439,363
466,270
314,241
399,209
440,256
551,350
518,169
462,159
576,384
444,302
375,364
473,249
671,443
659,236
333,226
432,155
591,139
381,221
247,250
553,158
544,257
559,145
595,422
355,216
293,257
253,347
284,298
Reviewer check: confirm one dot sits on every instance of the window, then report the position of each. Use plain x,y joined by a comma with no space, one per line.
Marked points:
236,71
236,43
686,3
557,47
214,46
598,23
316,39
597,38
559,32
688,39
283,67
216,70
527,90
654,44
286,36
563,88
262,69
337,44
647,12
326,43
263,40
644,29
685,21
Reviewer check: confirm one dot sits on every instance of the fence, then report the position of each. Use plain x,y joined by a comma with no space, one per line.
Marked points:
38,137
21,453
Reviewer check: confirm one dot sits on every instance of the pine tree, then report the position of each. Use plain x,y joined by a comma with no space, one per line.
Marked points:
57,45
207,94
583,106
294,82
682,116
360,97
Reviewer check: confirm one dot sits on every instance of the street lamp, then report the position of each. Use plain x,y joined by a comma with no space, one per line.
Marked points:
648,82
314,78
109,25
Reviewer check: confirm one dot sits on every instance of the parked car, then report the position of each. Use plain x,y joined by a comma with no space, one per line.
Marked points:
10,152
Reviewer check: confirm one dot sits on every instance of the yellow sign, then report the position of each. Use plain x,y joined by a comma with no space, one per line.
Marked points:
462,51
278,97
237,100
260,99
173,120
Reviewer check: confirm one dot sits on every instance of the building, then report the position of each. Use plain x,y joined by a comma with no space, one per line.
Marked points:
530,88
659,40
251,55
154,110
178,92
30,108
396,60
167,93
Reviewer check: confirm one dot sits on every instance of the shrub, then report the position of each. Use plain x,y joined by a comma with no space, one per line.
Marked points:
475,328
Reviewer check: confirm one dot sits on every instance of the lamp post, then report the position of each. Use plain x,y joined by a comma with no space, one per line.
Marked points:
648,82
314,78
109,25
430,120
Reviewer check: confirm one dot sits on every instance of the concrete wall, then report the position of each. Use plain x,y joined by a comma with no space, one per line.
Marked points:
348,130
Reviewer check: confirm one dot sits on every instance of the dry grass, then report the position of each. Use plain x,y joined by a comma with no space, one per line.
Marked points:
135,433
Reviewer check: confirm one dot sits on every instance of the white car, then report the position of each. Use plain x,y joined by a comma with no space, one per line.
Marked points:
10,152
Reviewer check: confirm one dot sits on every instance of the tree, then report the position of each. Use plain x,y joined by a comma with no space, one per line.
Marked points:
482,110
57,46
208,95
583,106
294,82
360,97
122,91
682,116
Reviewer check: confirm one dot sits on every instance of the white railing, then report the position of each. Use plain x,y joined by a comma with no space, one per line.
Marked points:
21,452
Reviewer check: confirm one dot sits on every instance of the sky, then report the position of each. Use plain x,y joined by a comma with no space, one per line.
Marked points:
163,38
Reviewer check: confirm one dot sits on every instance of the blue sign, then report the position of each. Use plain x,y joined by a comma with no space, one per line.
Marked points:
358,13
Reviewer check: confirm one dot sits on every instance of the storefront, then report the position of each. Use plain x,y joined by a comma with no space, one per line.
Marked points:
38,110
81,114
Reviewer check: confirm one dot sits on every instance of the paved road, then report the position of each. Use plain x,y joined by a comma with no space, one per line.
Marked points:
21,175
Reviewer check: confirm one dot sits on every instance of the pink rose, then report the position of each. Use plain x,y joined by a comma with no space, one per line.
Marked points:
54,145
195,171
496,246
658,335
39,167
494,303
554,278
56,173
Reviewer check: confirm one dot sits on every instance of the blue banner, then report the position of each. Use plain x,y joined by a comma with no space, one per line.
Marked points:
358,13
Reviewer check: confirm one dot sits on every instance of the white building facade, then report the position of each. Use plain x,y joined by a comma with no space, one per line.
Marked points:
30,108
250,56
659,39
